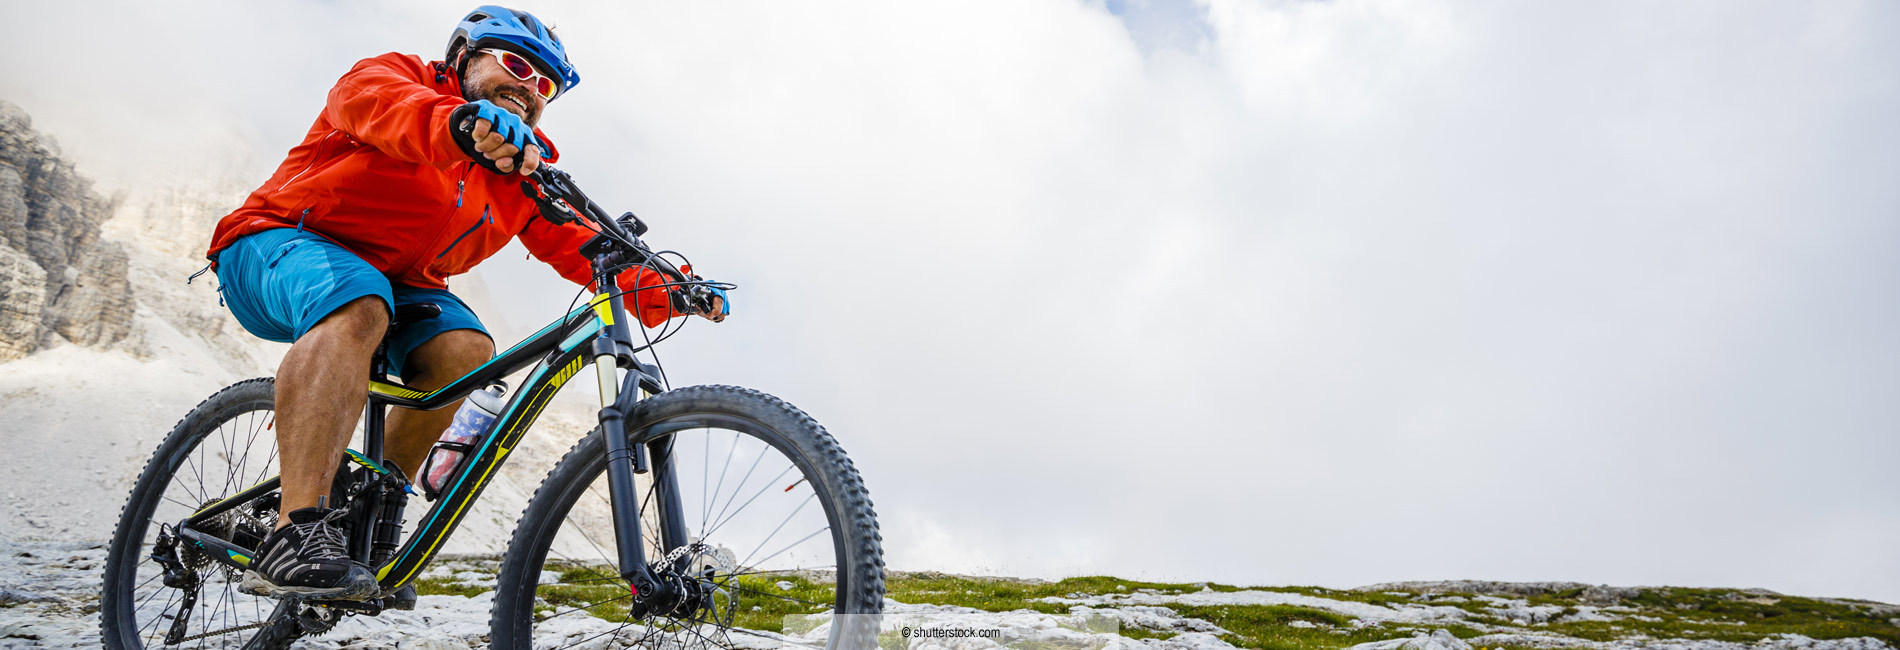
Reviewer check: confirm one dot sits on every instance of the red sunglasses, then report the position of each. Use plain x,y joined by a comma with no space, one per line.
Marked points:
519,66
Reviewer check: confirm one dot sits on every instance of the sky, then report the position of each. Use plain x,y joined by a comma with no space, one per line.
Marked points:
1251,291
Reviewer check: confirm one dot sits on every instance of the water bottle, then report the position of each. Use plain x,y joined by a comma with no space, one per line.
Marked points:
471,421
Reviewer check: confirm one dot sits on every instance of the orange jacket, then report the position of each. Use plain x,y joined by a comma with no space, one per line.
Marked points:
380,175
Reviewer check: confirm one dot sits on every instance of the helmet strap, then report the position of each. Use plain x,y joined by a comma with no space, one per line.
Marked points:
460,65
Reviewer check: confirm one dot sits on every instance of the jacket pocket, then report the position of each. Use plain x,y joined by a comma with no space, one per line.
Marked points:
486,219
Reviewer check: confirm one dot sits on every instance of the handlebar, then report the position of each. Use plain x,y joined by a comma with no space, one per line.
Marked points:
561,202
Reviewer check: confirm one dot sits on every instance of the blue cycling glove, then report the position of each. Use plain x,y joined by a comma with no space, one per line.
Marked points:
511,128
725,303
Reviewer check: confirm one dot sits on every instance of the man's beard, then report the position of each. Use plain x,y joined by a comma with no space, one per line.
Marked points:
495,94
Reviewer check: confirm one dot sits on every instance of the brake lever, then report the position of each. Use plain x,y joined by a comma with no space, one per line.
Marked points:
552,208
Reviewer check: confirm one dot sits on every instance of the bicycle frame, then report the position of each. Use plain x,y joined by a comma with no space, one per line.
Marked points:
598,333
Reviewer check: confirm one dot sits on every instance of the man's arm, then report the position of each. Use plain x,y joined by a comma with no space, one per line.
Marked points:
384,102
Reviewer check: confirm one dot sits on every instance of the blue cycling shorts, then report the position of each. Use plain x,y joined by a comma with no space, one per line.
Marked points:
279,283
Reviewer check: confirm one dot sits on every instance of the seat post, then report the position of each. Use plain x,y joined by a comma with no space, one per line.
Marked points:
373,408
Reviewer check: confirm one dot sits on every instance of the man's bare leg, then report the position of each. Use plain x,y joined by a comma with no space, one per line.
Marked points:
321,387
434,364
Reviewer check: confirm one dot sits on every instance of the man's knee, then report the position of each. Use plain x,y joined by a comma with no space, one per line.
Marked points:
364,318
454,353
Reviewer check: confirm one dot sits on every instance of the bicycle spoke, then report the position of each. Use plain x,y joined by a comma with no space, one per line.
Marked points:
586,566
589,606
713,496
794,544
781,526
777,571
705,471
219,610
693,630
268,462
651,533
161,612
615,632
742,482
155,576
612,562
755,496
228,458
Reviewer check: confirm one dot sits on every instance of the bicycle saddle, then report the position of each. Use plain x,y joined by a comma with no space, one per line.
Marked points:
406,314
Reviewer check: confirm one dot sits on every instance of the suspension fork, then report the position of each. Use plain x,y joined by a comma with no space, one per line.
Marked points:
623,459
626,458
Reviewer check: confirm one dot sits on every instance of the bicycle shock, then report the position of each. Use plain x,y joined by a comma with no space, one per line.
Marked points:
394,488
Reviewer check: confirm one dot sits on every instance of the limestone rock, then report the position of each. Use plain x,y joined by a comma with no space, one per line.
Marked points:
60,276
1437,640
22,298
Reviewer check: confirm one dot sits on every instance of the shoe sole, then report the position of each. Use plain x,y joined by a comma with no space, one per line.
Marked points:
361,588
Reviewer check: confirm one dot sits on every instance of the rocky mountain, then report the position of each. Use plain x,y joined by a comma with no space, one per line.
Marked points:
58,277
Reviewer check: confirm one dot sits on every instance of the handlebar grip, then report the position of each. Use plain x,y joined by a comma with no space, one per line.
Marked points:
465,131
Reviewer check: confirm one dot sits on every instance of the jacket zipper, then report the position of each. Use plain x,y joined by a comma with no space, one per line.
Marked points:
471,230
412,264
314,157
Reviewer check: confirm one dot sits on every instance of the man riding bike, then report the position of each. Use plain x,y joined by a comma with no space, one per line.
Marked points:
387,196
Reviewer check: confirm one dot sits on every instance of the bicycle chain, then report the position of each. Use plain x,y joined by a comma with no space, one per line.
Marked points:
239,628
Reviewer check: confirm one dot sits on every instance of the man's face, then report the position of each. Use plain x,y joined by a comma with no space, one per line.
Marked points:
486,79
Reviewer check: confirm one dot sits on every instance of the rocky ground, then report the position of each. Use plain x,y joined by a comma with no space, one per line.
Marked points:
49,599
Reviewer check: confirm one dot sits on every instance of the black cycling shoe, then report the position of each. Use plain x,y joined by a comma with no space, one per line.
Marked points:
306,560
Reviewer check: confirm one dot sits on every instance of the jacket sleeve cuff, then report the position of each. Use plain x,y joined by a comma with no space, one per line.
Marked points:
441,139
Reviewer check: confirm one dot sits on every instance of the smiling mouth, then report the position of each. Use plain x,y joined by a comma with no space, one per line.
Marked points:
517,101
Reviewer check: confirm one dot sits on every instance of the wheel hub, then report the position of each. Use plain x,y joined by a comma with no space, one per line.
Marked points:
697,597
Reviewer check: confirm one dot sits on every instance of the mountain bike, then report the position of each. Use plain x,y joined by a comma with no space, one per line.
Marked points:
696,517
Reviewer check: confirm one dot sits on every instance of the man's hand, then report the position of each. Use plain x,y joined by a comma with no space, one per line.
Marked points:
491,143
718,312
718,307
493,137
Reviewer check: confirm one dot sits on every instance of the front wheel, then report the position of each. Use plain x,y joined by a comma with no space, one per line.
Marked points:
776,526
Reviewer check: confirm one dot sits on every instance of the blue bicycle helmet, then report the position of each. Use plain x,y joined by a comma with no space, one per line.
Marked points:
517,31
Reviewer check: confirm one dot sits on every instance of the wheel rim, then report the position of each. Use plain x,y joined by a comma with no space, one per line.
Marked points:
760,524
238,451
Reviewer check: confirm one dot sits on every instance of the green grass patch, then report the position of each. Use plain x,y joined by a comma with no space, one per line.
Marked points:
1728,615
448,587
1272,627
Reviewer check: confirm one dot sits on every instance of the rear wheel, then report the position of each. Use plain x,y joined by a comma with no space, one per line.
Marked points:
226,444
777,526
